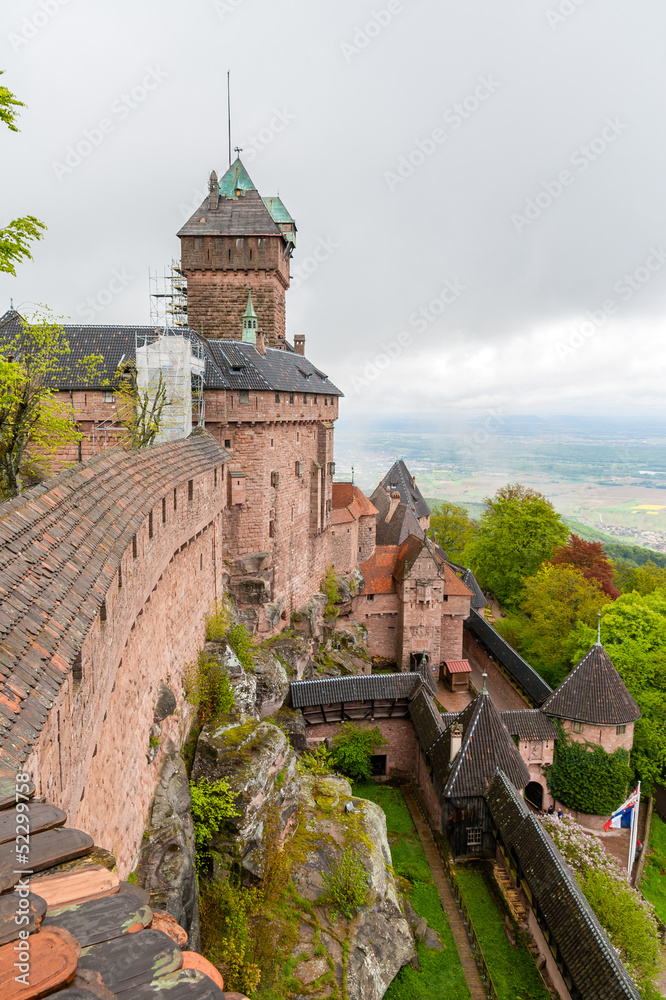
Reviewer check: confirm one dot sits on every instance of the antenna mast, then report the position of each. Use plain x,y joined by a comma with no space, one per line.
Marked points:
229,112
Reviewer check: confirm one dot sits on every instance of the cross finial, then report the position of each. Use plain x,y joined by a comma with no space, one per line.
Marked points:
484,689
238,149
598,628
352,475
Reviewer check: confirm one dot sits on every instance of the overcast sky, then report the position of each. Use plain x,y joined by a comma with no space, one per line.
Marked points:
469,180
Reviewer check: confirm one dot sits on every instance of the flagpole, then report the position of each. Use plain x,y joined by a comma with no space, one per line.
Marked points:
633,837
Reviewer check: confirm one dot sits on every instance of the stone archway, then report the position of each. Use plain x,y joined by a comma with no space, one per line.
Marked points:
534,794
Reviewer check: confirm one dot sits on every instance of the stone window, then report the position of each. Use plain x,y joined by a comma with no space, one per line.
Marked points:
331,468
120,576
102,613
305,397
370,597
175,498
190,489
227,442
332,400
577,727
325,400
215,476
261,242
277,397
150,525
291,397
315,397
620,730
134,547
299,469
474,838
164,505
244,396
240,243
275,478
198,243
108,397
378,764
271,529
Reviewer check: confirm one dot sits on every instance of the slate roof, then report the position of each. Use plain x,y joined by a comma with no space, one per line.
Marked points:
230,364
590,958
403,523
486,747
361,687
593,692
60,546
243,216
426,719
478,597
531,682
399,478
378,570
529,724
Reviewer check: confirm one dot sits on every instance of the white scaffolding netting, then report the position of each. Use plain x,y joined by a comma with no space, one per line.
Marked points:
178,363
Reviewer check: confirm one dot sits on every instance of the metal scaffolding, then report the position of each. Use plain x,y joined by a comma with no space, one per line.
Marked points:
168,297
176,360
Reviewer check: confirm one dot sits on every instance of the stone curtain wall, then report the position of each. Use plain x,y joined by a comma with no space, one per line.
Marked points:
344,546
216,301
605,736
401,750
91,757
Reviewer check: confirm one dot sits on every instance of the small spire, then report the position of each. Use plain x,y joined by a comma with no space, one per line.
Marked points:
598,628
250,322
484,689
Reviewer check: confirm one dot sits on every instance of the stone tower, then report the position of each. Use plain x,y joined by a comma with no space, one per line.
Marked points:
234,240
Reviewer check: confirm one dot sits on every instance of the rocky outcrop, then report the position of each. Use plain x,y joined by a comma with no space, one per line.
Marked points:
260,766
350,586
167,867
378,940
344,652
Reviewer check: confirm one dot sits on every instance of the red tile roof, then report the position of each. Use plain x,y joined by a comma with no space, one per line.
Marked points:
453,585
345,495
60,546
378,570
458,666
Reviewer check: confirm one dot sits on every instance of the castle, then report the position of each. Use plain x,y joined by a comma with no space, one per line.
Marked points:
108,570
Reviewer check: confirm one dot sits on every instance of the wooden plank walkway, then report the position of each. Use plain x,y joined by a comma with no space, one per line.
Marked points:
447,899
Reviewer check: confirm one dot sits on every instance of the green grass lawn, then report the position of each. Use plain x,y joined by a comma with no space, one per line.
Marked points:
441,975
513,970
653,883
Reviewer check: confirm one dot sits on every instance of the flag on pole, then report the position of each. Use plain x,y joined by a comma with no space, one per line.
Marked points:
622,817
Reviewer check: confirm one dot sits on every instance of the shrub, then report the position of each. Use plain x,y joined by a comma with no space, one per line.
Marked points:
352,749
218,621
584,777
226,909
346,885
317,762
208,688
212,803
329,586
243,645
628,919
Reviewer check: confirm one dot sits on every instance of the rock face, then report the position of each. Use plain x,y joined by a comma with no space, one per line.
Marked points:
167,864
379,937
344,652
260,766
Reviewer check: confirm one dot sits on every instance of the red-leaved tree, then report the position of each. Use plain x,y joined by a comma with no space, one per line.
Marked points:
590,559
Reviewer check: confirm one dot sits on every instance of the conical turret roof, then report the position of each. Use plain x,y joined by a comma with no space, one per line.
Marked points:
593,692
249,308
486,748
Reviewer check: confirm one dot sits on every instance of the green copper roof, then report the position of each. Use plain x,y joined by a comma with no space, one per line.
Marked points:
235,179
249,309
278,212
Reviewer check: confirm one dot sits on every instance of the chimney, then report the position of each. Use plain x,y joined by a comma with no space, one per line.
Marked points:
213,192
456,739
261,342
393,505
299,343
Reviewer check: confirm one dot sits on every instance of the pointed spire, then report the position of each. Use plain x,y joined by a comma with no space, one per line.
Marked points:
249,322
235,182
484,689
598,628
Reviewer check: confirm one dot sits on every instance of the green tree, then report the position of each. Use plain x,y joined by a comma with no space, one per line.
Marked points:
643,579
34,423
556,598
15,238
140,411
452,528
633,631
352,748
518,531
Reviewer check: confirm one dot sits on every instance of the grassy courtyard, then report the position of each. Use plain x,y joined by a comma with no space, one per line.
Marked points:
653,883
441,974
513,970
